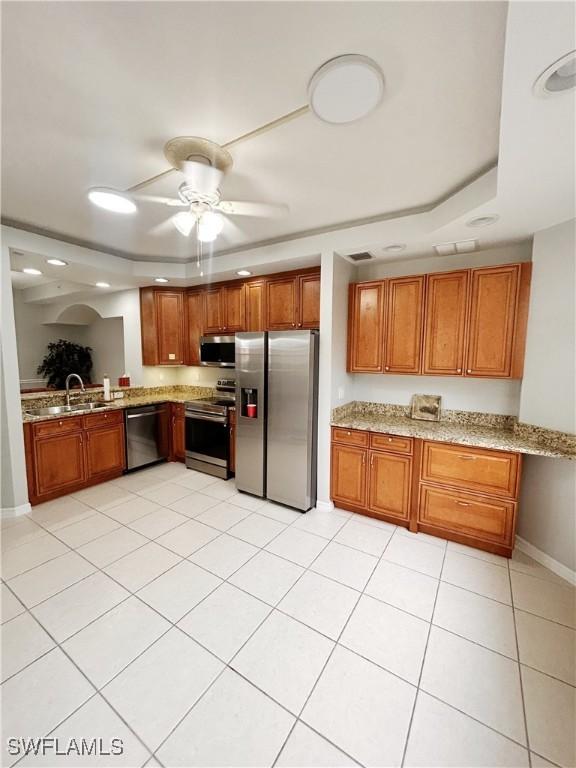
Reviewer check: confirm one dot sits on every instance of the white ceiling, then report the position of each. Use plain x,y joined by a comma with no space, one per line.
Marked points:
92,90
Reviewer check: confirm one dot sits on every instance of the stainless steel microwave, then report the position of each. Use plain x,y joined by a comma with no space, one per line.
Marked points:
218,351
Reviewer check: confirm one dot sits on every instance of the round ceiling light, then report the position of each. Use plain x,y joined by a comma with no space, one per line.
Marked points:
558,77
31,271
483,221
160,280
57,262
395,248
102,285
345,89
111,200
244,272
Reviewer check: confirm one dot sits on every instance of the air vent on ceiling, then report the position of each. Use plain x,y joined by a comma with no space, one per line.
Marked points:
364,256
450,249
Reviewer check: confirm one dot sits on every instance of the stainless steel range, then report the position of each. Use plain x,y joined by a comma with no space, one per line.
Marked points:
208,430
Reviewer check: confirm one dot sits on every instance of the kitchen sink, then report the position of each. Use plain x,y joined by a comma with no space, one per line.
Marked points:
55,410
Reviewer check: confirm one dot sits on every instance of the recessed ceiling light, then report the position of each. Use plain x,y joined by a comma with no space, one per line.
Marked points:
483,221
102,285
111,200
160,280
57,262
31,271
244,272
395,248
345,88
558,77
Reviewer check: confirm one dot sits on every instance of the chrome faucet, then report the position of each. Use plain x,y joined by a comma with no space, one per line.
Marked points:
71,376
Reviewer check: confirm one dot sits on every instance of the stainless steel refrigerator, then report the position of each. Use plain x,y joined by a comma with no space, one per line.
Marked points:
277,415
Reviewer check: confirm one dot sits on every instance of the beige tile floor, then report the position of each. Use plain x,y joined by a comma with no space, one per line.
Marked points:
208,628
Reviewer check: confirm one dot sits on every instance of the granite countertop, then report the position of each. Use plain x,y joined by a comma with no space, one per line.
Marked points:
460,427
133,397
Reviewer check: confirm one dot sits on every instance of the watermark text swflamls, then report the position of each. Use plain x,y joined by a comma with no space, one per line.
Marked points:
47,745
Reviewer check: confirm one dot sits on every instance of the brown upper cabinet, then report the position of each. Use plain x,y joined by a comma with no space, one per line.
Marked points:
224,309
256,305
470,322
498,314
365,326
445,323
162,319
174,319
403,335
293,302
195,318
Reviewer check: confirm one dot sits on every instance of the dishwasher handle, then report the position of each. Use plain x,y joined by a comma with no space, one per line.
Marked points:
141,415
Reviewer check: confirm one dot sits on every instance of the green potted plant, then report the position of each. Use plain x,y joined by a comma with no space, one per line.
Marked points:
64,357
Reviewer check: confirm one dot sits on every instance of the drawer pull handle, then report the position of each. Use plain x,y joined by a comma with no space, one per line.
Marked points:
468,458
462,503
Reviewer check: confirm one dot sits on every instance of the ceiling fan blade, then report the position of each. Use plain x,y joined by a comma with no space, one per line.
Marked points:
171,201
248,208
163,228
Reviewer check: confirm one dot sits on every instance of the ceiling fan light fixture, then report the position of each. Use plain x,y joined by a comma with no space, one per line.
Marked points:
184,222
345,89
210,225
111,200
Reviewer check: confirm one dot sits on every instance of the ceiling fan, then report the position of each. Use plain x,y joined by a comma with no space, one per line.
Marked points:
204,164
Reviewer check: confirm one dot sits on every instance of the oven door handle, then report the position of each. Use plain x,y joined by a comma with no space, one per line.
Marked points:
206,417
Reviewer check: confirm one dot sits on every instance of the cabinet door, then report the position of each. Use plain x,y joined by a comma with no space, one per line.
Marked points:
365,325
105,451
170,321
281,304
404,316
445,323
59,463
194,322
255,306
178,436
389,485
233,299
492,320
348,475
213,314
309,301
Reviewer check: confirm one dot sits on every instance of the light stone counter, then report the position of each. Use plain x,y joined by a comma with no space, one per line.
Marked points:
461,427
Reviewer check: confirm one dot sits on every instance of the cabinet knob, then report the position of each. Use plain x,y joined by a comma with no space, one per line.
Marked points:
293,325
346,432
458,370
469,370
387,368
390,439
463,504
60,423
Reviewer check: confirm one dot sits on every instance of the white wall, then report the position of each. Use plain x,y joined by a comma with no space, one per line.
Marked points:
549,373
13,490
32,337
488,395
106,337
548,503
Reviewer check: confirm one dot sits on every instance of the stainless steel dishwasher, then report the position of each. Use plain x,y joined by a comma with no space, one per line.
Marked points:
146,435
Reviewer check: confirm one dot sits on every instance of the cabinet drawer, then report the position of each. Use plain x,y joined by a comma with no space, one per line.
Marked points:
474,469
392,443
488,520
57,426
106,419
350,436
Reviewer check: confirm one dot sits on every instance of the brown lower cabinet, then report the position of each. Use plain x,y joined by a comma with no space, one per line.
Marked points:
468,495
177,432
67,454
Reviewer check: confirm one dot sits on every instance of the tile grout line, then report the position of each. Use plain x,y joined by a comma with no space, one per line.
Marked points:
519,667
408,732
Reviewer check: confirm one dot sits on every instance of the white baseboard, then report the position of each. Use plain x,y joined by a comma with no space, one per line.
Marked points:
23,509
548,562
325,506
